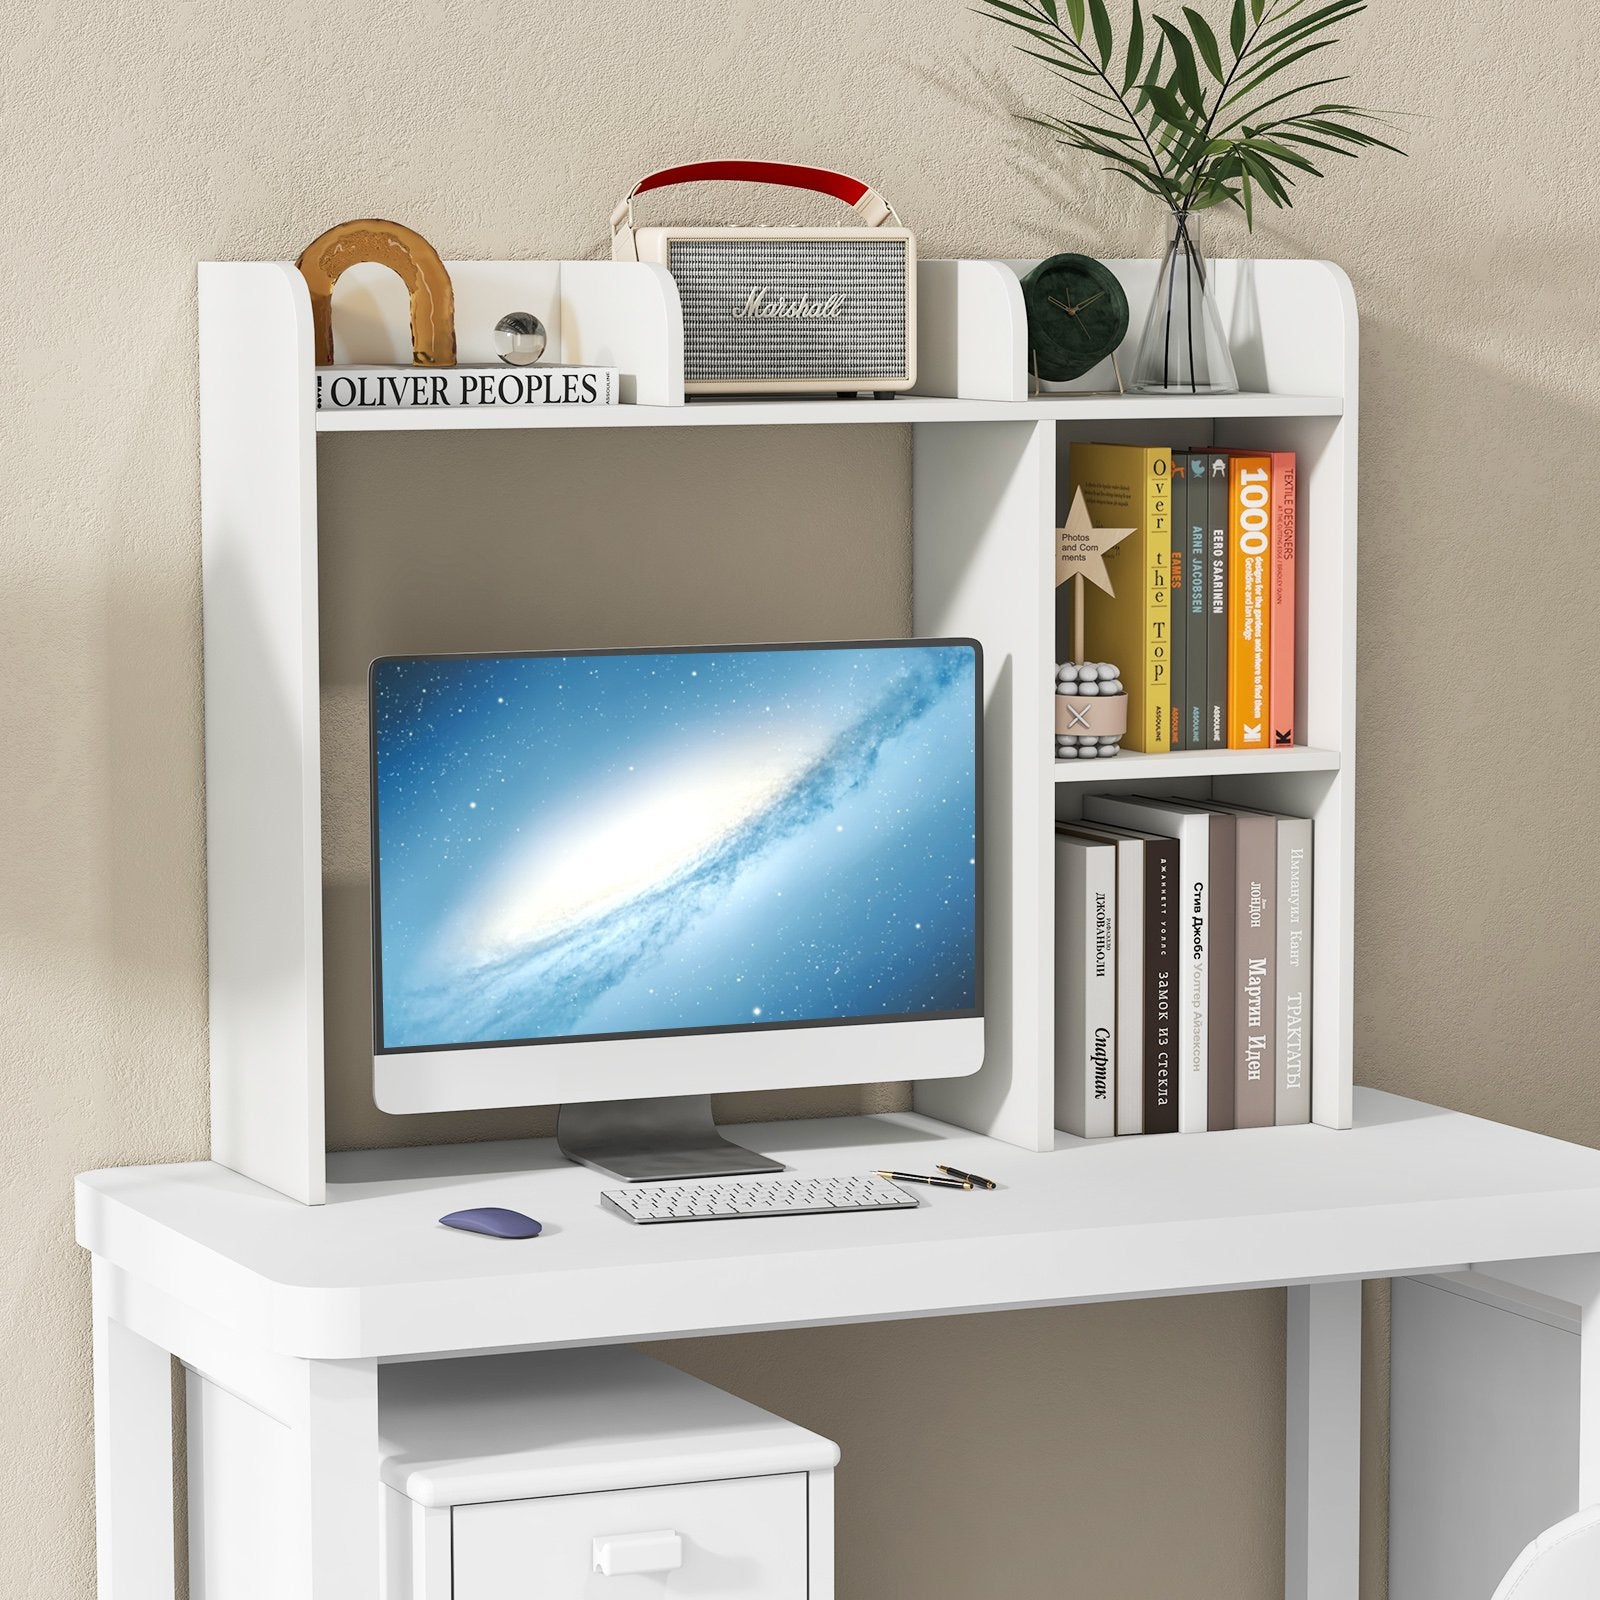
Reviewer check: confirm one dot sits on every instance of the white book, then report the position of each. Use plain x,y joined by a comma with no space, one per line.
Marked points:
1130,972
1192,830
1086,986
499,387
1294,970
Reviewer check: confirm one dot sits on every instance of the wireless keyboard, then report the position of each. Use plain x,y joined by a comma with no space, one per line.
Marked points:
755,1197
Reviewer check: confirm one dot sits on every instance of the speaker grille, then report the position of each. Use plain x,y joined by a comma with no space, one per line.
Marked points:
716,276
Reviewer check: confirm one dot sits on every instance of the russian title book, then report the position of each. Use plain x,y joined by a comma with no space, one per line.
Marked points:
1086,986
1249,583
1162,979
1220,984
1255,976
1192,830
1281,628
1178,588
1129,486
1217,601
1197,465
1130,1060
443,388
1293,1101
1290,968
1221,1026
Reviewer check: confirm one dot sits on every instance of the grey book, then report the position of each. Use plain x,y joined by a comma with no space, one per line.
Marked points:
1255,946
1291,966
1177,609
1217,601
1086,986
1196,573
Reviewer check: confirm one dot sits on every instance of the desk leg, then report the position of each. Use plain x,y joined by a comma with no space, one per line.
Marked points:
1322,1531
335,1489
132,1459
1574,1281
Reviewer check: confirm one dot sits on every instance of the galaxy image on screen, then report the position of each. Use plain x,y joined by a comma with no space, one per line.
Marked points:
575,846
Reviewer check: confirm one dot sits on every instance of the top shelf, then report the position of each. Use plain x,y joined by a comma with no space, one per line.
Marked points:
712,412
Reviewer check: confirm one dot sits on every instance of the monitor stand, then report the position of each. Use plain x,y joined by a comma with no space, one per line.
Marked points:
670,1136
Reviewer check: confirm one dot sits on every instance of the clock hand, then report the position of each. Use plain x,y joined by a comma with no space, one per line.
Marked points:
1071,310
1091,300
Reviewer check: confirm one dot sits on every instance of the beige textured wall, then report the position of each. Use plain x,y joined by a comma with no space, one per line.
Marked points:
140,138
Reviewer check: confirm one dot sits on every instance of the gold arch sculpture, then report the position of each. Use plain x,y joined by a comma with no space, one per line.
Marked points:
403,251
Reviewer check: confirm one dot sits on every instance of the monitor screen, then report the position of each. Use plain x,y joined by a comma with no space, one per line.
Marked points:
635,843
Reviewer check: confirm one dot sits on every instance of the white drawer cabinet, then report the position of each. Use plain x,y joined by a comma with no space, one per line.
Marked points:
737,1539
595,1475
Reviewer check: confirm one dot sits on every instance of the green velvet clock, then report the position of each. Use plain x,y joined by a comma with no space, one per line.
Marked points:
1077,316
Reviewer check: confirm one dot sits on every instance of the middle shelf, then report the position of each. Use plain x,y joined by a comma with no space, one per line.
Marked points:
1130,766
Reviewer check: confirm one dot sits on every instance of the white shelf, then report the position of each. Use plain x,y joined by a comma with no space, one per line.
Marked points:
716,413
1409,1188
988,487
1132,767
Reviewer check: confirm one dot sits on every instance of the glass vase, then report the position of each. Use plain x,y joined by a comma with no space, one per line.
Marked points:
1183,349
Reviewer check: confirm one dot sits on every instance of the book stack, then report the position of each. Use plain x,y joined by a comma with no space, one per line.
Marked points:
1183,967
1201,620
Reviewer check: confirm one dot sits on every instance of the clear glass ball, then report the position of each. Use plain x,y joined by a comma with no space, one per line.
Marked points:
519,337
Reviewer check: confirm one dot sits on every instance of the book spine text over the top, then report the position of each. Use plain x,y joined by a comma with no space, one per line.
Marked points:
1177,606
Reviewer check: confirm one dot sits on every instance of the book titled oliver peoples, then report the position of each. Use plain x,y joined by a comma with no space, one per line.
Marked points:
441,388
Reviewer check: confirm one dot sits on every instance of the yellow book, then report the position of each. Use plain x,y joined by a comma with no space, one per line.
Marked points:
1130,486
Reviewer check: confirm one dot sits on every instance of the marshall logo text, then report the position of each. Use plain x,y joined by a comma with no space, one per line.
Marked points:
764,303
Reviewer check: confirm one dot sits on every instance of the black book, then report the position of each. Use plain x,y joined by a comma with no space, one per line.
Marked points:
1162,930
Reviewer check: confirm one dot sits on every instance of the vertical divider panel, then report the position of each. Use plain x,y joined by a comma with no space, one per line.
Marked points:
972,331
263,761
983,506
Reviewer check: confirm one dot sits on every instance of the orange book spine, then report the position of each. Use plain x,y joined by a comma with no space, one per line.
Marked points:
1250,611
1280,628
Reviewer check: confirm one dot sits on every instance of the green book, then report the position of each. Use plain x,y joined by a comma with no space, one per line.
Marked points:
1197,654
1180,608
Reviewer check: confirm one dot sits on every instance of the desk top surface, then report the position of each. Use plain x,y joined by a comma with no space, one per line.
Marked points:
1410,1188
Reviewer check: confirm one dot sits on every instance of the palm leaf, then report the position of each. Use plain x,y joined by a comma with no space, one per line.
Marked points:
1135,56
1236,28
1278,66
1100,21
1075,17
1187,72
1205,41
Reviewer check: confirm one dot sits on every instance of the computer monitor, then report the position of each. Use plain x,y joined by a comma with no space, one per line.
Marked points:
623,880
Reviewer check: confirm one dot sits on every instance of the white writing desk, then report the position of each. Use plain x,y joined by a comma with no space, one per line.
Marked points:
293,1308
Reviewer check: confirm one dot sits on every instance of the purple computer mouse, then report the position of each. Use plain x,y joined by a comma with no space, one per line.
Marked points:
496,1221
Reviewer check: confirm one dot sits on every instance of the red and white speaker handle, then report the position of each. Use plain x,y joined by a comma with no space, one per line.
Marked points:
861,197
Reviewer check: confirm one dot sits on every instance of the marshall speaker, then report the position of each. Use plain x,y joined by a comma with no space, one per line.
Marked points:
786,310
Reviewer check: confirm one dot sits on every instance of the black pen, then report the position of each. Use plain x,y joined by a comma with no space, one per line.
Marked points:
971,1177
920,1177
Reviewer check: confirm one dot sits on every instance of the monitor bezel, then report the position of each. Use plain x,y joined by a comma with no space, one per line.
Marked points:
758,1030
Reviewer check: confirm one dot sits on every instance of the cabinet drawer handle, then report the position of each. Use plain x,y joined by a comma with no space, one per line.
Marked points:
618,1553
